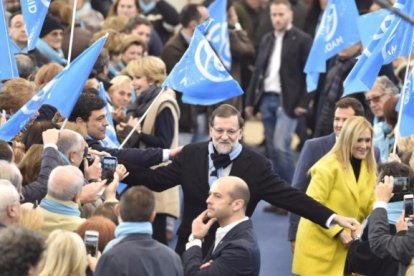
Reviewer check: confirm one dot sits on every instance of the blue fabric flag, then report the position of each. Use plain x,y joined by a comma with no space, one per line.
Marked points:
368,25
218,31
61,92
406,124
8,67
201,76
337,31
34,14
393,39
110,141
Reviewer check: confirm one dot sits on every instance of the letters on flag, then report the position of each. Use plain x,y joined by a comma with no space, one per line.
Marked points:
392,39
218,31
110,141
8,66
200,76
61,92
34,14
406,124
337,31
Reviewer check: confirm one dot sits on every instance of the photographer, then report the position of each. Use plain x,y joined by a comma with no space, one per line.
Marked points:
400,246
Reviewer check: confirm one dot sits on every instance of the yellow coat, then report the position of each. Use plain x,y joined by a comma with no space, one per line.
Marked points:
317,251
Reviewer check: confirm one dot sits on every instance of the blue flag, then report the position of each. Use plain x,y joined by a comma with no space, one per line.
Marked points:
110,141
368,25
201,76
337,31
406,124
8,67
61,92
34,14
392,39
218,31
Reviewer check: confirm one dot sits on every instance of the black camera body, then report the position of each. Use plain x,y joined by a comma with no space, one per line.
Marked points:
402,186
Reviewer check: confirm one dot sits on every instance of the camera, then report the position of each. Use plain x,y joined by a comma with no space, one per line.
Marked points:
91,242
88,157
109,164
401,185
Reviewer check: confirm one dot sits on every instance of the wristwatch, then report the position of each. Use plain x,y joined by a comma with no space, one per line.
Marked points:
192,238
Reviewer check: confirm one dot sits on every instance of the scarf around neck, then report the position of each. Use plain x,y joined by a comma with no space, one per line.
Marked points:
57,207
218,162
127,228
145,99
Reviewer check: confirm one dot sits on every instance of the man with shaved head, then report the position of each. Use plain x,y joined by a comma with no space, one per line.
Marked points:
60,207
235,251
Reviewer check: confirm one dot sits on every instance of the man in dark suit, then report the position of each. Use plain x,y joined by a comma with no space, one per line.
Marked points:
314,149
235,251
278,85
199,165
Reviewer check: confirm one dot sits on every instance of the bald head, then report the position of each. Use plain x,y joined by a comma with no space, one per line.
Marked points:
71,144
9,199
236,187
65,183
69,140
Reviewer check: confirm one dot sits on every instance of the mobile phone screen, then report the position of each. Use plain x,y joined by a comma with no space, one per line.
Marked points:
91,243
408,206
108,168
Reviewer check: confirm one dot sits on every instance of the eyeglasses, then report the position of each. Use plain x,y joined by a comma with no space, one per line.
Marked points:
374,99
230,132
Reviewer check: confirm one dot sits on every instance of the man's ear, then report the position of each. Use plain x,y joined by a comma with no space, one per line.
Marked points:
153,216
12,211
117,210
238,204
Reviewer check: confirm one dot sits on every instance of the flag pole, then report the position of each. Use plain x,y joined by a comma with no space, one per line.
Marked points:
403,94
72,28
141,119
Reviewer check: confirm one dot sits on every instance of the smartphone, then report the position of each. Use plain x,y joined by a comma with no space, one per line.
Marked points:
408,206
91,242
109,164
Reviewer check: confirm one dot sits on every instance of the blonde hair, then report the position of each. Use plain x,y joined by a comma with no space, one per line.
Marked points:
153,68
119,81
46,73
65,255
350,132
115,22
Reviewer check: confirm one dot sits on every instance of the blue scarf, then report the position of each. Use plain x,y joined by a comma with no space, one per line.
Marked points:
59,208
147,7
127,228
50,53
235,152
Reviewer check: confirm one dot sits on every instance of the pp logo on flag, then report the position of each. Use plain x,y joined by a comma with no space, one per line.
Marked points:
331,22
209,64
217,36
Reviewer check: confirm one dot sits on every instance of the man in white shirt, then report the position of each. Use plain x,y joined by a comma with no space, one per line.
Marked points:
235,251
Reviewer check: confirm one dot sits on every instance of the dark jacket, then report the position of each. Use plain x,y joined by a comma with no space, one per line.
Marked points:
142,157
190,169
237,254
37,190
295,50
139,254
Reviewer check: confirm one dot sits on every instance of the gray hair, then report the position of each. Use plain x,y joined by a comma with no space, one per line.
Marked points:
9,171
69,140
65,182
386,86
8,195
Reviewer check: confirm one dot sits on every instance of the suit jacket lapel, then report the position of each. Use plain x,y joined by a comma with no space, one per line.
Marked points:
200,161
239,228
241,163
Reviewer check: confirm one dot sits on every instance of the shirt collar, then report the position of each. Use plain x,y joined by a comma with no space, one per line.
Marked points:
222,231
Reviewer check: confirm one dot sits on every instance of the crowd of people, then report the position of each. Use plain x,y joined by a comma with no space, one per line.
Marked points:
337,183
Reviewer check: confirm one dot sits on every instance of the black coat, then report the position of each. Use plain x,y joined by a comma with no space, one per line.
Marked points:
190,169
236,254
295,49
